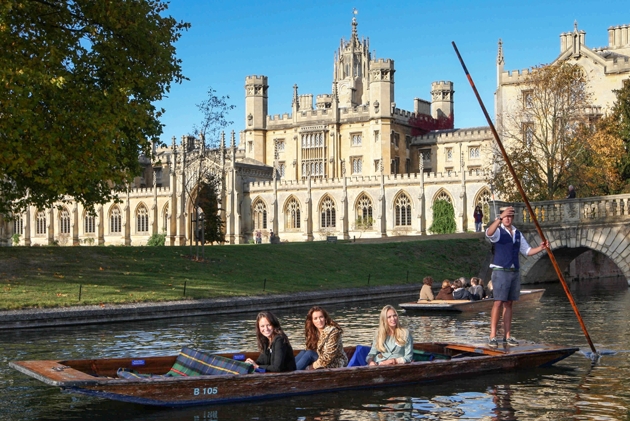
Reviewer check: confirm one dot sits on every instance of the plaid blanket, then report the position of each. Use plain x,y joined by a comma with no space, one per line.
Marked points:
191,362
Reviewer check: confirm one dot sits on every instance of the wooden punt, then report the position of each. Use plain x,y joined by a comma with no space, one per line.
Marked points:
465,306
97,377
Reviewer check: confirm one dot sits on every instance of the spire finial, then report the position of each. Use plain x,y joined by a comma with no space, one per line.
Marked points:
355,12
575,25
500,53
295,95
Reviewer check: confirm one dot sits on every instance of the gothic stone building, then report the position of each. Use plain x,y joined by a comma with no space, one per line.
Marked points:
605,67
348,163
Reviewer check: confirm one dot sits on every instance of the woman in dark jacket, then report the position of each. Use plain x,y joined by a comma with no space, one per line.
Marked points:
446,293
276,353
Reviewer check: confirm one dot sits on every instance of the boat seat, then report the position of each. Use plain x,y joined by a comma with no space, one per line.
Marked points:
192,362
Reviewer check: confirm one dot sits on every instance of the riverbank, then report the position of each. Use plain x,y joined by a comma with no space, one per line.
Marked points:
61,286
51,277
111,313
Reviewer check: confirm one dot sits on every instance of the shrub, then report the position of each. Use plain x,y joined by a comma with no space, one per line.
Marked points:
443,218
157,240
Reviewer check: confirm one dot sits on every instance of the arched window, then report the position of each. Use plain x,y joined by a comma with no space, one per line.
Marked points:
18,224
292,214
483,199
89,225
142,219
403,211
443,196
327,213
64,221
115,221
259,213
40,227
364,212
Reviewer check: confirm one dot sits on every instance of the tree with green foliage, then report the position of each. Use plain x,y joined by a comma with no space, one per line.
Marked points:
443,218
78,79
545,133
208,202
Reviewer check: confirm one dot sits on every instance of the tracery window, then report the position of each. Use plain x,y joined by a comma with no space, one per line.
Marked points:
364,211
259,213
18,224
327,213
528,98
528,134
313,154
395,138
483,200
64,222
292,214
142,219
443,196
449,154
40,226
357,165
403,210
356,139
115,221
89,225
474,152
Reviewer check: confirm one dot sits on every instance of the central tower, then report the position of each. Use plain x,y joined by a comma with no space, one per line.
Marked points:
351,70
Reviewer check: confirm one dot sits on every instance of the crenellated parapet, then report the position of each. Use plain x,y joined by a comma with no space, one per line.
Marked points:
456,135
382,69
256,80
513,77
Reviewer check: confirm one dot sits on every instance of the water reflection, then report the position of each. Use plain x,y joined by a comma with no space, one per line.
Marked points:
573,390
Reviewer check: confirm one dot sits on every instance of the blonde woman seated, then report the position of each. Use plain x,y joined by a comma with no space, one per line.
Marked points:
393,344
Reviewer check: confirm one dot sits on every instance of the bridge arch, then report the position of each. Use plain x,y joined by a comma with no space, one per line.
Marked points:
572,227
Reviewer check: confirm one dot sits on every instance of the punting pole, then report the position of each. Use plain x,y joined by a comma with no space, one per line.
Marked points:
524,196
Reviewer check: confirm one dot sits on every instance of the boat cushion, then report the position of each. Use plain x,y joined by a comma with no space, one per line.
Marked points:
191,362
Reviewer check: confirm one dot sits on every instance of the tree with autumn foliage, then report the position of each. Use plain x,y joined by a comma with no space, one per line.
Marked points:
78,82
547,133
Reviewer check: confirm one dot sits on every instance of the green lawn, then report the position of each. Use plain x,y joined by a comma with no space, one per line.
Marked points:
54,276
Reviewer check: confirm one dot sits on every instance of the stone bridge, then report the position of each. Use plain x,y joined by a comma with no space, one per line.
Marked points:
573,227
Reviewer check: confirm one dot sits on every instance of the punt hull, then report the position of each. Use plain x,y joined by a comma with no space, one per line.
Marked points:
97,377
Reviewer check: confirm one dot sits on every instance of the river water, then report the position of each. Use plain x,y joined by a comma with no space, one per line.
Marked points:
575,389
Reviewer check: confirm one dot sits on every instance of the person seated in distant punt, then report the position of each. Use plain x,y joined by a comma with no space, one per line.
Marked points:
392,344
489,293
324,345
426,294
475,289
446,293
276,353
460,293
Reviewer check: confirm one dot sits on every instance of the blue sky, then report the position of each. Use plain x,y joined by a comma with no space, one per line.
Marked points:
293,42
